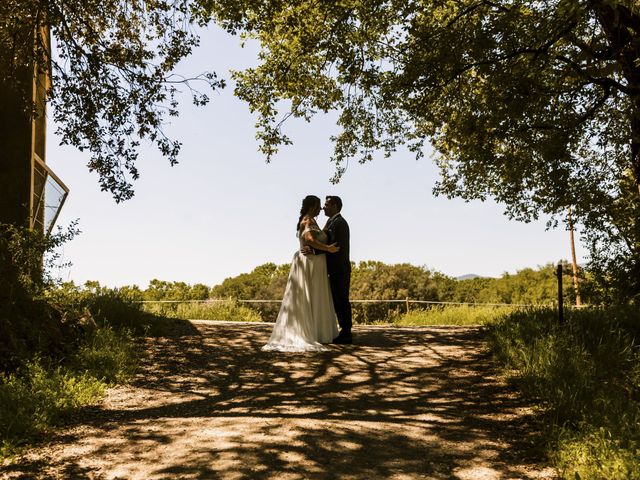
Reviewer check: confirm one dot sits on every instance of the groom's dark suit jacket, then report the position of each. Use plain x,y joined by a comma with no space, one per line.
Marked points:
339,269
337,230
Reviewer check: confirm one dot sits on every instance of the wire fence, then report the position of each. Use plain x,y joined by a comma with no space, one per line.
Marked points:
400,301
364,311
362,306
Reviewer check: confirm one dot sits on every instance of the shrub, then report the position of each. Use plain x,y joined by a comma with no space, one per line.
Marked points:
99,306
28,324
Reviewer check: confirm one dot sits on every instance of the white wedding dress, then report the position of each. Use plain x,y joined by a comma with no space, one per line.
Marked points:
307,318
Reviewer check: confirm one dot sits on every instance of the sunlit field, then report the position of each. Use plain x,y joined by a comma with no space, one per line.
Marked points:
454,315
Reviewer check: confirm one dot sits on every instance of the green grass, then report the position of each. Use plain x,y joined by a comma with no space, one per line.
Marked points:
595,453
453,315
107,355
229,310
34,398
48,387
586,376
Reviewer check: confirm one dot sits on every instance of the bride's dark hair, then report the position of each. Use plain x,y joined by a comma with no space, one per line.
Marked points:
308,203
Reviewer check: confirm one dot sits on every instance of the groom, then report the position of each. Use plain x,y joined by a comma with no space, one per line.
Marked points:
339,266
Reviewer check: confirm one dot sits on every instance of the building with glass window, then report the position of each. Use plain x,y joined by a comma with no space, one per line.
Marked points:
30,193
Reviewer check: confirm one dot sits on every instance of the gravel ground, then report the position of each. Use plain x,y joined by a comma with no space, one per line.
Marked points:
207,403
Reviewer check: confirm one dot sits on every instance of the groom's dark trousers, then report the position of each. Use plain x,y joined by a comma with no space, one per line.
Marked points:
339,268
339,283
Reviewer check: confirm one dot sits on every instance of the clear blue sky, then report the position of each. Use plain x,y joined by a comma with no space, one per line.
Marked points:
222,210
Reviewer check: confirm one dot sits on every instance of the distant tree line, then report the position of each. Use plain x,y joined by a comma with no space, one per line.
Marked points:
374,280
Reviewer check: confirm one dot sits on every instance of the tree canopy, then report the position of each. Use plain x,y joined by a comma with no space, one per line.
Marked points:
535,104
113,82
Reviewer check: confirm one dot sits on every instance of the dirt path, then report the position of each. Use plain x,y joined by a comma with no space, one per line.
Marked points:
402,403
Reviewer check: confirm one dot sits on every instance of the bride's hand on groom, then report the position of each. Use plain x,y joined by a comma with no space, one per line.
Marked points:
307,250
333,248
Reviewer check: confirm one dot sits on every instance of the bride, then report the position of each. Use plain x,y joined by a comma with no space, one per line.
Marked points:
307,318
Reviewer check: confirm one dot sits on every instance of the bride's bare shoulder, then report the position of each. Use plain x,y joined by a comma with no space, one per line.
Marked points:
308,222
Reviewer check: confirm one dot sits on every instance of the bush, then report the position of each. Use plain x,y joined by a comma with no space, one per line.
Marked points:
99,306
28,323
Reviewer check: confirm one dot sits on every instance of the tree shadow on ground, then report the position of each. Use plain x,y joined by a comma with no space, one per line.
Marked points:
400,403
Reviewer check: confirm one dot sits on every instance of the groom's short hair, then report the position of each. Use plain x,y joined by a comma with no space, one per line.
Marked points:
337,201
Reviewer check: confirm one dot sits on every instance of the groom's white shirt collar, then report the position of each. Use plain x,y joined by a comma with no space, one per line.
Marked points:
334,216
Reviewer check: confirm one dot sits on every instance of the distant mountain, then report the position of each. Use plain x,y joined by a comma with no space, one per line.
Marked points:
468,276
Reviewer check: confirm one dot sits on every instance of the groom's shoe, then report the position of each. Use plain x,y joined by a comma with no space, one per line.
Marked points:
343,338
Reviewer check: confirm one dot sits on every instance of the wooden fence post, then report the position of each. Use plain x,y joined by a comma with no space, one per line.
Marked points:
560,305
407,302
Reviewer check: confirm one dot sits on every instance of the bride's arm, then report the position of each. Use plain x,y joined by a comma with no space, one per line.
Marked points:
312,242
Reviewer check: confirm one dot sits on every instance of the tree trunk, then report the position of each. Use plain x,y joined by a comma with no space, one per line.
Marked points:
622,27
